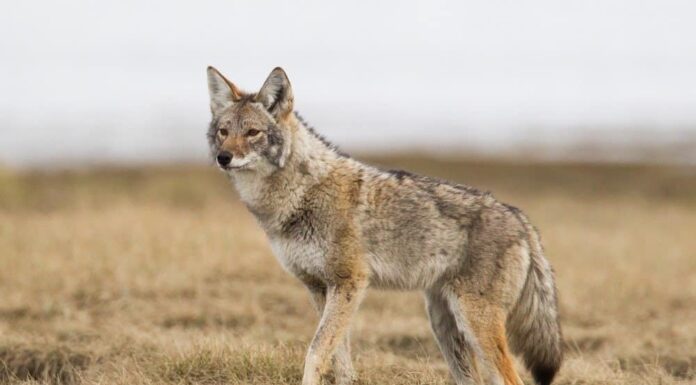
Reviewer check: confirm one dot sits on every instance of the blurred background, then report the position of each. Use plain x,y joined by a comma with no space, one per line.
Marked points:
123,81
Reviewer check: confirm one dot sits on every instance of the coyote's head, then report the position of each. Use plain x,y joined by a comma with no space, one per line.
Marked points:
250,132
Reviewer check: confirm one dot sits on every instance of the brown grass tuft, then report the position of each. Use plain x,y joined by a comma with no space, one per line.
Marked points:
214,365
49,364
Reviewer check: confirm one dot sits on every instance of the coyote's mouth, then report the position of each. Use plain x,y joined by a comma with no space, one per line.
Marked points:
235,168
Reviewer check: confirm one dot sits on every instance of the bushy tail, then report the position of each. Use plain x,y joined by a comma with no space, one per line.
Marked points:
533,328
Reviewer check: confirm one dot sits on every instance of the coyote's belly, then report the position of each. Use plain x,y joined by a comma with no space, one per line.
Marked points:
396,272
392,268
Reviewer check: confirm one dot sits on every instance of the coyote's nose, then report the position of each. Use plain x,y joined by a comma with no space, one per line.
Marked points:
224,158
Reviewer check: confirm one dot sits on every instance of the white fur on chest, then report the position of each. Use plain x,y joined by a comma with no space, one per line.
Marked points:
299,257
249,187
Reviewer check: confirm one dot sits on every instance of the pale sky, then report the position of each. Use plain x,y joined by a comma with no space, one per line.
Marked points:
113,81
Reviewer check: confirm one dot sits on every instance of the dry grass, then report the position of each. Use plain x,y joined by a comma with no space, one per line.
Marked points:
151,276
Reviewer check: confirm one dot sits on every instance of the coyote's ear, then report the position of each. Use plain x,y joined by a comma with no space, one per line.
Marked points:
276,94
222,92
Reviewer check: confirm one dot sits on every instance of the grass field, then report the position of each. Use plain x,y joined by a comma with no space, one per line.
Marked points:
160,276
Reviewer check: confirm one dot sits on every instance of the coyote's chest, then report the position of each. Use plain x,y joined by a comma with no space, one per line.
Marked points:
299,257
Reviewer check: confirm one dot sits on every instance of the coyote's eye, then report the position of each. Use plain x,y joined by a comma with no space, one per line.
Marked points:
223,132
252,132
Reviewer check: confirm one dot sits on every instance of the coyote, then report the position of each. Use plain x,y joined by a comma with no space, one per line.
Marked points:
340,226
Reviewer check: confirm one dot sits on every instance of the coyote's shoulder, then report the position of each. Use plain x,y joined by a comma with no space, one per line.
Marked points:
340,226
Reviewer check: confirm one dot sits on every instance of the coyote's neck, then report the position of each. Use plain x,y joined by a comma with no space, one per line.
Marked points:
272,197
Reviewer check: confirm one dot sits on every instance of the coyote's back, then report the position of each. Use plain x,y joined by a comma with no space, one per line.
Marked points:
340,226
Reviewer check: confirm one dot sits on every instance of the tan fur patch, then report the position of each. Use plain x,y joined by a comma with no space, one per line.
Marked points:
488,324
503,359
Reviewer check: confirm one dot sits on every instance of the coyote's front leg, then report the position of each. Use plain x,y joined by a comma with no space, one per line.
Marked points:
342,364
342,299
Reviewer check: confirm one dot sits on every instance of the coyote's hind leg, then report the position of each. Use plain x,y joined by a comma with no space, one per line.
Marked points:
487,321
456,341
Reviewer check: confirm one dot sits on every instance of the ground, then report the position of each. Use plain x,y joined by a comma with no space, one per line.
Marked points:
158,275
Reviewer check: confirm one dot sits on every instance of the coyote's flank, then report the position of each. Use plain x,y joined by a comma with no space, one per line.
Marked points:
341,226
